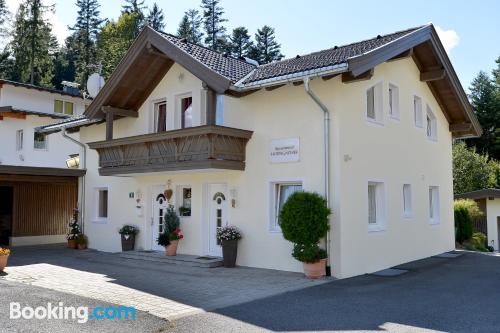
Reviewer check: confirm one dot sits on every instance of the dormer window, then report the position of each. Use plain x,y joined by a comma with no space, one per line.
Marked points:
186,112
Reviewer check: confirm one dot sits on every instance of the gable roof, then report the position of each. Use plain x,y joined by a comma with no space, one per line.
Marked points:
153,53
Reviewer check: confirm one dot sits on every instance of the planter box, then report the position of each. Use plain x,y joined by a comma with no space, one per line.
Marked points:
128,242
229,252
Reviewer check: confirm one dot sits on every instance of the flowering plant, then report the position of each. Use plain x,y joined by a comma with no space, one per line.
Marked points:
128,230
4,251
176,235
229,232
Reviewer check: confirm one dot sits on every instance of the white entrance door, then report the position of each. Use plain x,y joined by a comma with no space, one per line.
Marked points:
159,209
217,210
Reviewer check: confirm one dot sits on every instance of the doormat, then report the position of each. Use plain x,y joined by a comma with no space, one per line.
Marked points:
206,258
390,272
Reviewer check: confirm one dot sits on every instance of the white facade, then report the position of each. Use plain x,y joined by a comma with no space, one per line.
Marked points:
15,150
388,151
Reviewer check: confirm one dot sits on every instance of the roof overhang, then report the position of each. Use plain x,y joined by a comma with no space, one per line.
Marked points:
41,171
144,65
11,112
480,194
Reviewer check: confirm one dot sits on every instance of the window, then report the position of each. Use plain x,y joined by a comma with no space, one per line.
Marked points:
393,101
58,106
19,140
280,194
407,203
40,141
187,112
63,107
374,103
160,114
434,205
219,110
102,204
376,206
431,125
417,111
185,201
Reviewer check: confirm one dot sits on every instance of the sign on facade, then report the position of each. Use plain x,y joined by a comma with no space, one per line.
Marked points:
284,150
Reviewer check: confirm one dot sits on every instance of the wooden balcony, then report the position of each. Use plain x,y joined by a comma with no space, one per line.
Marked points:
195,148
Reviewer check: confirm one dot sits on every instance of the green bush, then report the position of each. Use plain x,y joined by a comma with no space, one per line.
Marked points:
471,207
479,241
304,218
309,253
463,224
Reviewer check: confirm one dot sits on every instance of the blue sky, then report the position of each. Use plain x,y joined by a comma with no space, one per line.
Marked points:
472,28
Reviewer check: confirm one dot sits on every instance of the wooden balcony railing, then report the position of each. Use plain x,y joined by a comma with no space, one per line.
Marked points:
202,147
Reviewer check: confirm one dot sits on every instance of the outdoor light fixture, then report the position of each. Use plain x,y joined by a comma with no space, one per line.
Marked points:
73,162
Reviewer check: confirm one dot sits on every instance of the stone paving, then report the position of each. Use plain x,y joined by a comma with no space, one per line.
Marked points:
165,290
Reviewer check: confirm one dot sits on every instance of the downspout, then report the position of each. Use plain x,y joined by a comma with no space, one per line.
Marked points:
83,165
326,159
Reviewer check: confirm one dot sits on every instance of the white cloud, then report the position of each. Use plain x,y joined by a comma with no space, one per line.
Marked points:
59,29
449,38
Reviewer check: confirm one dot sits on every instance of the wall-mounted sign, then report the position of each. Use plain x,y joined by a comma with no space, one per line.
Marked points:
284,150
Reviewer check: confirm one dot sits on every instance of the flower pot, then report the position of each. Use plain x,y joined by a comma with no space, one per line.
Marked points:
229,252
171,249
3,262
128,242
315,270
82,246
72,243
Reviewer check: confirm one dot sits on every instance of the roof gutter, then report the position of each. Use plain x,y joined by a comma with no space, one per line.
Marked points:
326,160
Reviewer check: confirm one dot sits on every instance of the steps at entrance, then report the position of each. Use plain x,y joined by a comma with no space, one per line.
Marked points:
180,259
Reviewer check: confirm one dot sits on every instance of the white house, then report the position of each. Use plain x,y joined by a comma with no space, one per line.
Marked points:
368,125
38,190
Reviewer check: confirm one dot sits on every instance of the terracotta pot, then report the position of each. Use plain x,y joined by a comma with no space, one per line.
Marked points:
72,244
3,262
82,246
172,248
315,270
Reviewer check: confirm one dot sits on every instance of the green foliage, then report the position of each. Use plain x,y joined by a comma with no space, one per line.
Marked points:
239,43
308,253
81,239
213,23
472,171
128,230
470,205
73,227
463,224
155,18
190,27
266,48
304,218
163,240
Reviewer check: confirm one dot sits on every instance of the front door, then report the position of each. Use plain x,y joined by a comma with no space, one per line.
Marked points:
160,205
6,207
217,204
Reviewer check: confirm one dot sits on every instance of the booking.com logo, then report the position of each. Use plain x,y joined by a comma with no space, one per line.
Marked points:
80,313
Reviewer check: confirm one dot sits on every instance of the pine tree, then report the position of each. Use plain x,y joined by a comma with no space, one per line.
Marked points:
266,49
33,45
213,20
156,19
240,43
135,7
87,27
65,61
190,27
4,14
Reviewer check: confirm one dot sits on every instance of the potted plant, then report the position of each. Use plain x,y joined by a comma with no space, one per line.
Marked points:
74,230
171,232
229,237
4,256
304,221
81,241
184,211
128,233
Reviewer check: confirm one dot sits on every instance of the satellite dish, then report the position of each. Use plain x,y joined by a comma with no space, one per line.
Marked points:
94,84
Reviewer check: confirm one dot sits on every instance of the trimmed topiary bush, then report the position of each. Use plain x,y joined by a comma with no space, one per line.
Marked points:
304,218
463,224
309,253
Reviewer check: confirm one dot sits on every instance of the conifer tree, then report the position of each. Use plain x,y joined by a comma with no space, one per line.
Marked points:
156,19
239,42
190,27
266,47
213,21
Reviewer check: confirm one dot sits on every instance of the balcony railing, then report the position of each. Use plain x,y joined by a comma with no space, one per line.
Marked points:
202,147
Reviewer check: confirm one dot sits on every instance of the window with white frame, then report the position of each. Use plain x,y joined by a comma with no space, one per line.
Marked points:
184,201
407,201
19,140
219,110
40,141
374,103
376,206
101,204
393,101
186,112
63,107
417,111
431,124
434,216
160,116
280,192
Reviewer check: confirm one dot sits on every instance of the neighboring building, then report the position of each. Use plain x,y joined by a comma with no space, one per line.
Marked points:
233,140
38,190
488,201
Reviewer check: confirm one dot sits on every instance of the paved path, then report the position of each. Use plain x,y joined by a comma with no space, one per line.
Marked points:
164,290
437,295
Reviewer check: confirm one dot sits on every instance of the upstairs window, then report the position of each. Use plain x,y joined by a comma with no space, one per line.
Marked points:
376,206
434,217
160,117
417,111
407,203
393,101
68,108
40,141
58,106
431,125
187,112
19,140
63,107
374,103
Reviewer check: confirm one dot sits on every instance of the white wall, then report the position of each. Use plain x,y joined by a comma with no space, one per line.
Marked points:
492,214
396,153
